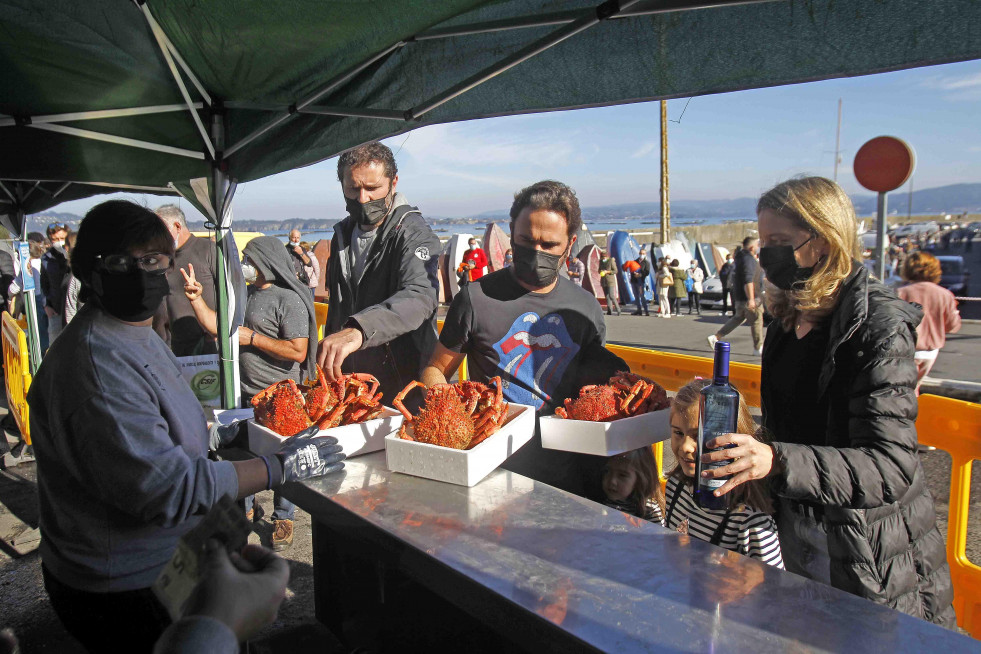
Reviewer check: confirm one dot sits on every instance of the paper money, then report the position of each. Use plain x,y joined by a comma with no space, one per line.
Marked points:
226,524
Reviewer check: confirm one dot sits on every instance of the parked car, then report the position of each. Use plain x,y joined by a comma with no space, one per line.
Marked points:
955,276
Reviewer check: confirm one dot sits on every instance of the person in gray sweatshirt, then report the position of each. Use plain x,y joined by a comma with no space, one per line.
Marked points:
122,444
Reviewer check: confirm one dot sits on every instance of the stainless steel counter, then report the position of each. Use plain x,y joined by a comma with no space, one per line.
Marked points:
573,574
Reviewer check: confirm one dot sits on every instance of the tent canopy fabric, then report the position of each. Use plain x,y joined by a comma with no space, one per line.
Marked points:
269,82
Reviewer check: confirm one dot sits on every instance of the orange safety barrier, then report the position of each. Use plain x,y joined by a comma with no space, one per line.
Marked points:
955,427
17,373
320,310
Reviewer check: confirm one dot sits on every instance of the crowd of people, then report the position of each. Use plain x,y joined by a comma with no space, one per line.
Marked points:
829,487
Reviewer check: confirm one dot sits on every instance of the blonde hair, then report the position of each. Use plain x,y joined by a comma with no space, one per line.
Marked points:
755,493
821,207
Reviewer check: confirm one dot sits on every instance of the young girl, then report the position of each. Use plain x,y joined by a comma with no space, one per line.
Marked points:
630,484
746,527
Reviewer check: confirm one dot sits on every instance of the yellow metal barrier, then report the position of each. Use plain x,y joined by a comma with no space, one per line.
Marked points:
321,311
672,371
955,427
17,373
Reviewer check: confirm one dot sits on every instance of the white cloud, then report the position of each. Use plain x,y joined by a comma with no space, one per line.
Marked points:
645,149
955,83
486,145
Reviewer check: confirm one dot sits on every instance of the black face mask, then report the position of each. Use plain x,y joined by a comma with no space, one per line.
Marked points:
369,213
781,267
133,296
534,267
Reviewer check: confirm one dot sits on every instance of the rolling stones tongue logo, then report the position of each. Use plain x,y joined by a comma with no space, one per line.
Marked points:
535,352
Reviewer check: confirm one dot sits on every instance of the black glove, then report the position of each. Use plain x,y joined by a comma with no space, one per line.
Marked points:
304,455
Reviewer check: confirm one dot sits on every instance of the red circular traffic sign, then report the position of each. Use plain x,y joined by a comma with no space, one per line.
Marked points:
884,164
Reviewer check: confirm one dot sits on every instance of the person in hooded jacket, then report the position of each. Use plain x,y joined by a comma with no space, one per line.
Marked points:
382,276
276,340
839,402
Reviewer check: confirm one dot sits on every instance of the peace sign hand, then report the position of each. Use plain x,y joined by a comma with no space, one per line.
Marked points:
192,287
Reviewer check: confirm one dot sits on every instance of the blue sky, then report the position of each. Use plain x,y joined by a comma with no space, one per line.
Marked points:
725,146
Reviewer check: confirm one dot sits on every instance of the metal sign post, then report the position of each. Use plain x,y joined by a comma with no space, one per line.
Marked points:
882,165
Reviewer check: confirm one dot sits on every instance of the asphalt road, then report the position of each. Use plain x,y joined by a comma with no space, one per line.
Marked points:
687,335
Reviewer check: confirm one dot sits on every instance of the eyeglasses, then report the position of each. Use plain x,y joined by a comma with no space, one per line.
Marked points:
119,264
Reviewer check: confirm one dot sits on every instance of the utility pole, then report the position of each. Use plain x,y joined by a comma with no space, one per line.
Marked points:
909,202
838,142
665,206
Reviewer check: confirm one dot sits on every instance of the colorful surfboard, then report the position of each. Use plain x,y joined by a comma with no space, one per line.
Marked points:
444,285
583,240
590,256
496,243
625,248
322,251
455,248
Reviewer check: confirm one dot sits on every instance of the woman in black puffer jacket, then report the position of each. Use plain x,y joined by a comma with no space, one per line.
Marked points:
839,402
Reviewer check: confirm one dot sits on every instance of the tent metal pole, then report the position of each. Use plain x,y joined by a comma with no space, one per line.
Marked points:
566,17
383,114
165,51
61,189
324,110
125,187
31,190
187,70
219,183
541,45
105,113
119,140
330,86
9,194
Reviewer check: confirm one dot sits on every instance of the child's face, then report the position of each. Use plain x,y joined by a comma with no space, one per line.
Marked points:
683,435
618,481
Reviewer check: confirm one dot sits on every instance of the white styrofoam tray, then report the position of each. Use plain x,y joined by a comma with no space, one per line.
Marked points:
605,438
362,438
462,467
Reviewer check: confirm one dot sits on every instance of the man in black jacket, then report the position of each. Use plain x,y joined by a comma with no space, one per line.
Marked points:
54,267
382,274
747,297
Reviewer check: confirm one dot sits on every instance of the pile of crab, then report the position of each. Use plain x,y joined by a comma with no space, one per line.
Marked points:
461,415
625,395
288,408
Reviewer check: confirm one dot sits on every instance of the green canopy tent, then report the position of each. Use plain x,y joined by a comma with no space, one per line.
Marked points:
158,93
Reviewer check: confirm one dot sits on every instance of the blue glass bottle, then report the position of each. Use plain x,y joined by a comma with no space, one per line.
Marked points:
718,409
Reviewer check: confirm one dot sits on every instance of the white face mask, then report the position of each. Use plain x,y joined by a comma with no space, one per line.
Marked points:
249,273
58,244
292,242
473,246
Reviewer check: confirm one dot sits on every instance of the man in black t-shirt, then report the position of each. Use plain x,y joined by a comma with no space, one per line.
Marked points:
540,332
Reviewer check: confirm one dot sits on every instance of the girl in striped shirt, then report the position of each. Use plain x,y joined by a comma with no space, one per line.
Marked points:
747,526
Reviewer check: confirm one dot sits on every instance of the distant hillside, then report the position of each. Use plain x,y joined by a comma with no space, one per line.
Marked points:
952,199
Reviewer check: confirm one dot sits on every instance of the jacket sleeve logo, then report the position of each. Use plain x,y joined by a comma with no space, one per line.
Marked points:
422,253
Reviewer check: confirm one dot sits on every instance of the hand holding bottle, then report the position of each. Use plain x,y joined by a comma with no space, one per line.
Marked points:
750,459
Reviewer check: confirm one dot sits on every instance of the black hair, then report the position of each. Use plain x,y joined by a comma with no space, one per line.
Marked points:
549,195
365,154
116,227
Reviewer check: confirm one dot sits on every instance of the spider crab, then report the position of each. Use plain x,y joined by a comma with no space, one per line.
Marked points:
286,409
460,416
623,396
